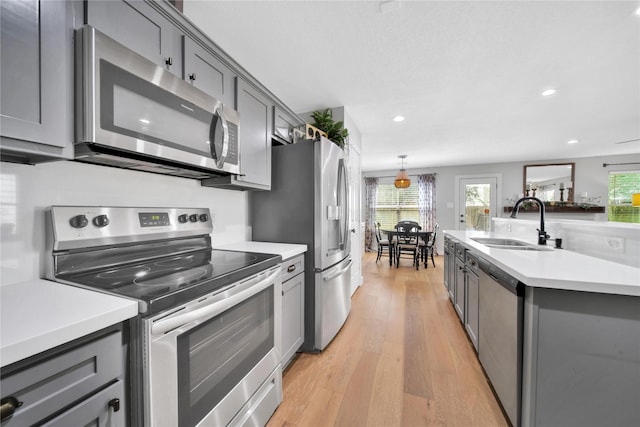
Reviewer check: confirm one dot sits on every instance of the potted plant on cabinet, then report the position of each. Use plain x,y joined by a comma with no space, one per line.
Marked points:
336,132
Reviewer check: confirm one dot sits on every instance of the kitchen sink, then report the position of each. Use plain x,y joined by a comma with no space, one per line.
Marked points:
512,244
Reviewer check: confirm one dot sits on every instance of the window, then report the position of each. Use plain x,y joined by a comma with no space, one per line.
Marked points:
396,204
622,185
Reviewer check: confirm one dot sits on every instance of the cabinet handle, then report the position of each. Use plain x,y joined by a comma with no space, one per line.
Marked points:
8,406
169,61
115,404
192,77
291,268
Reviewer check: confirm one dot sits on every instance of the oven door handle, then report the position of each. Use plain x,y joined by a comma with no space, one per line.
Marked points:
246,290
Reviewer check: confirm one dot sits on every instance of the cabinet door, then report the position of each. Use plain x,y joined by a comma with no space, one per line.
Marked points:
255,136
283,125
36,106
458,299
55,383
471,310
140,27
207,73
292,317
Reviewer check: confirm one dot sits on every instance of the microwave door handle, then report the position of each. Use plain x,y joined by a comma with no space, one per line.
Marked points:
181,319
219,120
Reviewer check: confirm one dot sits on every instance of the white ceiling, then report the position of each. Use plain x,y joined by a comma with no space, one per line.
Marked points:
467,75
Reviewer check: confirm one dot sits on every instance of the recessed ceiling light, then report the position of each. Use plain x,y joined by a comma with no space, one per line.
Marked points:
572,141
638,11
145,121
548,92
398,118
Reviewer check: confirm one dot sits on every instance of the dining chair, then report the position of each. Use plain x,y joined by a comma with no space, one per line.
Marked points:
428,248
383,244
407,241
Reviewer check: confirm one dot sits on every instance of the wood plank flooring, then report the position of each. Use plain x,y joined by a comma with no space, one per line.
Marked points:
401,359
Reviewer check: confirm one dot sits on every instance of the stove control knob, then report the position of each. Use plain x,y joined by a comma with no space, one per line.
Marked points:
79,221
101,221
183,218
193,218
204,217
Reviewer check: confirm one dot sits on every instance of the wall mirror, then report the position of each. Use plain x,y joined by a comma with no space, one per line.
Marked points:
550,182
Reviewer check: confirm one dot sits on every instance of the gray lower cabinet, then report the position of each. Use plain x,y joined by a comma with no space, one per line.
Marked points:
140,27
459,296
207,73
83,384
36,75
581,359
471,317
292,307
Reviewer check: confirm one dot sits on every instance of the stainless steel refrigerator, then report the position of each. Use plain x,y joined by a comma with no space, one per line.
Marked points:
309,204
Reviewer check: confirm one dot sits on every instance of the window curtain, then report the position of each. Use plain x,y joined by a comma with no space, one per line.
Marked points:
427,200
371,190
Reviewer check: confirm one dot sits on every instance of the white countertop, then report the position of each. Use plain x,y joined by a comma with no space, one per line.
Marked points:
556,269
285,250
40,314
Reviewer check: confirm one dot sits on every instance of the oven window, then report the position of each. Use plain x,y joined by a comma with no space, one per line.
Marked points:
215,356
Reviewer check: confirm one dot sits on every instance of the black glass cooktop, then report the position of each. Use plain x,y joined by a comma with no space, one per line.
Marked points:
172,280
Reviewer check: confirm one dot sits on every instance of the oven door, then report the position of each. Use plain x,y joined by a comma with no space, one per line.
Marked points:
215,360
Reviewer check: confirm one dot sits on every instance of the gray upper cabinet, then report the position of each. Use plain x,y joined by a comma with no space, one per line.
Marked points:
255,136
36,74
256,111
283,125
140,27
207,73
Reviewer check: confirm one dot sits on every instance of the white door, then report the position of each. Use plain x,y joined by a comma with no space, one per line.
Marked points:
477,202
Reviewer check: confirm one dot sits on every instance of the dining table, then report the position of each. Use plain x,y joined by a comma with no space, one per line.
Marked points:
424,235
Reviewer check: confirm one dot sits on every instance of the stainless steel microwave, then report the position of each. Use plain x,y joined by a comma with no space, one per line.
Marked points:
132,113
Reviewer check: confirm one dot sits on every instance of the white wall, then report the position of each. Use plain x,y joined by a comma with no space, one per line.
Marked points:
26,191
590,177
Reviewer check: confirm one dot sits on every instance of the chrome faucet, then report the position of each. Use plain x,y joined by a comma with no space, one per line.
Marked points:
542,235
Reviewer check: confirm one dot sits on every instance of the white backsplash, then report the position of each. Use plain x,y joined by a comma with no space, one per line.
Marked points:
27,191
614,241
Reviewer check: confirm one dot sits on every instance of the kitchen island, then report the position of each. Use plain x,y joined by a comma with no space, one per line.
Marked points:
580,339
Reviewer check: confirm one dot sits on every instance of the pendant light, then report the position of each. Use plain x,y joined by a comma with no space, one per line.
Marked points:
402,179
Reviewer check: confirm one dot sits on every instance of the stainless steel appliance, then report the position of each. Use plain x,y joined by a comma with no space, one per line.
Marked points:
500,319
204,348
309,203
133,114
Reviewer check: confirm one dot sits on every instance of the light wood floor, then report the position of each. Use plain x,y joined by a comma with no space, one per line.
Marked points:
401,359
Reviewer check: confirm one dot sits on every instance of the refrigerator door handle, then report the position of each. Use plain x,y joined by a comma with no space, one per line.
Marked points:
330,277
343,198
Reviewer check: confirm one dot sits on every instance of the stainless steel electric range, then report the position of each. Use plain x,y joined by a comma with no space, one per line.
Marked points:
203,350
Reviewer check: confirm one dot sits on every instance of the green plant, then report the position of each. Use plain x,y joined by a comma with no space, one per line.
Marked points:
336,132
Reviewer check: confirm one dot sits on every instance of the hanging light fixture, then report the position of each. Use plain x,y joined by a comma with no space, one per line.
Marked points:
402,179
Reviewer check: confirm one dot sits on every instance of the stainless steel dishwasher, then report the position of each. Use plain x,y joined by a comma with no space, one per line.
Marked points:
500,335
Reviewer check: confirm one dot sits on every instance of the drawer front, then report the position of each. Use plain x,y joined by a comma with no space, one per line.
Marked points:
460,251
56,383
98,410
292,267
472,263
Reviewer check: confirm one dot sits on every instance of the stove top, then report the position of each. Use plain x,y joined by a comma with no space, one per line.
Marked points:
164,282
